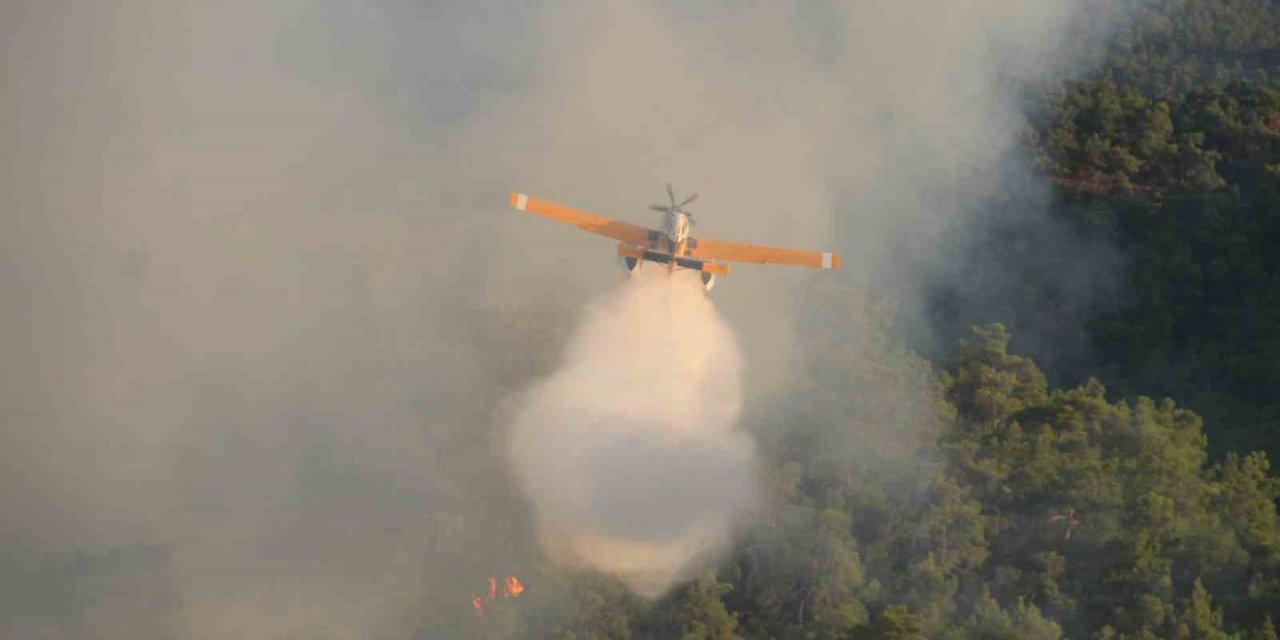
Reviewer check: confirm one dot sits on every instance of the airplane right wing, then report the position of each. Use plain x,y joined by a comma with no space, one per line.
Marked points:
717,250
588,222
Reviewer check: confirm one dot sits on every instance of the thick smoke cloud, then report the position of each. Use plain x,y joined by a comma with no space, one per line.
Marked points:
630,452
263,291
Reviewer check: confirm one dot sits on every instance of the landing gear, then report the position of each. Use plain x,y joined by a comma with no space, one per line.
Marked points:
629,264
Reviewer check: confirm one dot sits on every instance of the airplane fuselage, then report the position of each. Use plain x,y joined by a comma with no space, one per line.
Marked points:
676,228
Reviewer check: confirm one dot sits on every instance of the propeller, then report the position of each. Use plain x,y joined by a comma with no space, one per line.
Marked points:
674,207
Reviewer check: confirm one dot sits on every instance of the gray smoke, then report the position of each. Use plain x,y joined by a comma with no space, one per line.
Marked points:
630,451
263,292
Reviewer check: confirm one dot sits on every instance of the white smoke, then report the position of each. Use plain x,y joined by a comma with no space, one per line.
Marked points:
264,288
630,452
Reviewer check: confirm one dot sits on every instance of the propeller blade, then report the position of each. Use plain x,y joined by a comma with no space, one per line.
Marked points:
658,207
671,194
688,200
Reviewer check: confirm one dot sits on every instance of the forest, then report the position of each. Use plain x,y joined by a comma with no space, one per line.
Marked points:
1130,497
999,486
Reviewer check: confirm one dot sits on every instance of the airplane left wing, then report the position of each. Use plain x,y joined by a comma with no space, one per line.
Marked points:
716,250
588,222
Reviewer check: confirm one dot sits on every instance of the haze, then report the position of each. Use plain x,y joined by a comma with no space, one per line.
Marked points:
267,310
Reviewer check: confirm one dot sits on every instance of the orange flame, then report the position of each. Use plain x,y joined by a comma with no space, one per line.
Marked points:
511,588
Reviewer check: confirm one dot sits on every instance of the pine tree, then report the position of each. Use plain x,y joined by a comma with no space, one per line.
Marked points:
702,614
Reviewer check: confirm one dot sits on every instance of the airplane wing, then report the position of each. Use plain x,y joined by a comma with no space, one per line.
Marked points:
588,222
733,251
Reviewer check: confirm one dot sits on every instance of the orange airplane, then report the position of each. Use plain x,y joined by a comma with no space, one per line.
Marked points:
672,245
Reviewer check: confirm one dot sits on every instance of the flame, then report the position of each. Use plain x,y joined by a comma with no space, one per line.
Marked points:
511,588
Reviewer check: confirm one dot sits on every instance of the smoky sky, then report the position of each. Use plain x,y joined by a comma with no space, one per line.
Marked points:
265,302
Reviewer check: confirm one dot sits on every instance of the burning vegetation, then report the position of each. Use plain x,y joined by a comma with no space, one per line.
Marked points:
511,588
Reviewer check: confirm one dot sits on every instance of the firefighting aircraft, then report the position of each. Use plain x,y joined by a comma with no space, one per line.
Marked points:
672,245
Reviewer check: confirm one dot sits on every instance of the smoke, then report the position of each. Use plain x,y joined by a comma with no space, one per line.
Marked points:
263,292
630,451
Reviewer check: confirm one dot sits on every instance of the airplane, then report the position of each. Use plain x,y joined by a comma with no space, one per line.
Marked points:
672,245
